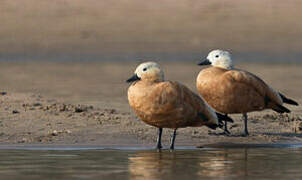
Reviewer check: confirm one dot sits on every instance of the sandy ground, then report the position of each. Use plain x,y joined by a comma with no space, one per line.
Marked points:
86,104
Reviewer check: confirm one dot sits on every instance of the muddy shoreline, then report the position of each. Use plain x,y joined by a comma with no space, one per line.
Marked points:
86,104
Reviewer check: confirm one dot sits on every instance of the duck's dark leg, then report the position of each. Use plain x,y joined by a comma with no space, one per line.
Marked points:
245,132
160,131
226,131
173,139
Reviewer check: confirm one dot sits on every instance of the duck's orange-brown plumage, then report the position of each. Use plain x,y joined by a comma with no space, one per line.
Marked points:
169,105
236,91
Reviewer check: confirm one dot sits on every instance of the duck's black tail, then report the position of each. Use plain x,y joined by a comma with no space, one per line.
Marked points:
281,109
221,119
288,101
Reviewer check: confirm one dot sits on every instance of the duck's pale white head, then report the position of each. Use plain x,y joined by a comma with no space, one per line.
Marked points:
218,58
148,71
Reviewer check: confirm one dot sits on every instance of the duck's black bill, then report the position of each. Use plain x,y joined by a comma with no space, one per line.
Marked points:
133,78
205,62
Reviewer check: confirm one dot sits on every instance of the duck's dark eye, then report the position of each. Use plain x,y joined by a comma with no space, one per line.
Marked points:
217,56
145,69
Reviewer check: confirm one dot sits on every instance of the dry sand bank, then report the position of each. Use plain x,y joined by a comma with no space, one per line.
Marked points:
86,103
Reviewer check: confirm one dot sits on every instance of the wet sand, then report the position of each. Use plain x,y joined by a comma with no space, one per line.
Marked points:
86,104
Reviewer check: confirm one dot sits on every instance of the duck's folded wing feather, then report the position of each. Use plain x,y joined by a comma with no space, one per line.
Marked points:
252,81
179,98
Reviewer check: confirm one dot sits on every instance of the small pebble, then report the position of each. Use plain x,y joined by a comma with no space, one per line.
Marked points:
37,104
15,112
54,133
68,131
23,140
78,109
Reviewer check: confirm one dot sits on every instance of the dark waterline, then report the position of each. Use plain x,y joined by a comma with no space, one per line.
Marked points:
222,145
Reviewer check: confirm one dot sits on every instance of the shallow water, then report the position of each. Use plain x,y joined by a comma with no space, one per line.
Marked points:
207,163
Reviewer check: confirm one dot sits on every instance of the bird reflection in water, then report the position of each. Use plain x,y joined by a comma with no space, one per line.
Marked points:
151,165
222,164
186,164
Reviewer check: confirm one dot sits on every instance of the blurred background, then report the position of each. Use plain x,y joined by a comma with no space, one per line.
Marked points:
99,30
80,52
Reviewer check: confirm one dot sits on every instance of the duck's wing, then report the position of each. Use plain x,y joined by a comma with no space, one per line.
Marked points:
258,85
180,99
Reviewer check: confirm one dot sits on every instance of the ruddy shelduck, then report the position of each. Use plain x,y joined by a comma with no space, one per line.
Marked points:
229,90
167,104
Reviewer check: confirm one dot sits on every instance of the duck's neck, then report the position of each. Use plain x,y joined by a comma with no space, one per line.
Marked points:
226,67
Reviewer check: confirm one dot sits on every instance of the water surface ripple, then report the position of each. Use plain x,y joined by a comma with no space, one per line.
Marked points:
207,163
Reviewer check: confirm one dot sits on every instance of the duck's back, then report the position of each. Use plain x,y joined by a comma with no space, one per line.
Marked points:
234,91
